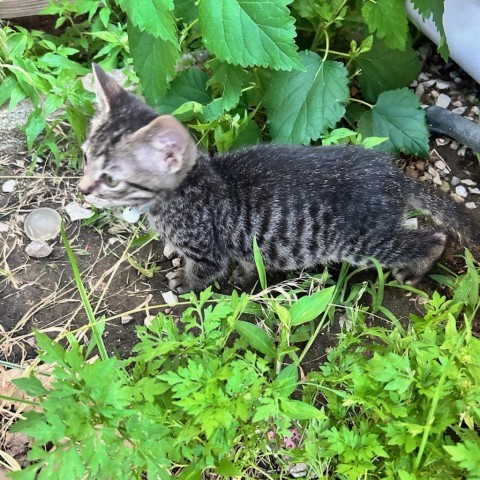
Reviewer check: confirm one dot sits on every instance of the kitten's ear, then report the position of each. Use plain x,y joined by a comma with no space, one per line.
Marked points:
106,88
166,142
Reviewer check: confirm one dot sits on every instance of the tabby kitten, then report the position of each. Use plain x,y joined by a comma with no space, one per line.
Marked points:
305,205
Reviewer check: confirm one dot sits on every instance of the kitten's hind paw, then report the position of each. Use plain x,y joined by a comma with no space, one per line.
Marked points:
177,281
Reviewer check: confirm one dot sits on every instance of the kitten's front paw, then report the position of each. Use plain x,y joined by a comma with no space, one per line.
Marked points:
178,281
243,276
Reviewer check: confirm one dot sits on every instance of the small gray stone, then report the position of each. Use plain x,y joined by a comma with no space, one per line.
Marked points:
443,101
124,319
471,205
419,91
168,250
458,103
38,249
445,186
456,197
413,84
442,85
428,83
462,151
176,262
459,110
440,141
475,110
455,181
423,77
298,470
440,164
454,145
461,190
469,182
4,227
457,80
9,186
474,191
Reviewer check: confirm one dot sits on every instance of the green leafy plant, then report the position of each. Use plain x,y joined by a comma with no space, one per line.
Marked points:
235,71
222,395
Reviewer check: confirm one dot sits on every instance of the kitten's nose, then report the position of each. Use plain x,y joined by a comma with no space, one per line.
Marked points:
86,186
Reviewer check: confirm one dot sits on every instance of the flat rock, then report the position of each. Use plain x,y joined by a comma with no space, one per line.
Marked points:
468,182
38,249
471,205
461,191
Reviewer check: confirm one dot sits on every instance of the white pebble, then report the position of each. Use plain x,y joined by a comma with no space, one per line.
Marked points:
38,249
462,151
475,109
442,85
471,205
176,262
428,83
148,320
9,186
443,101
76,212
461,190
453,146
455,181
419,90
170,298
126,319
474,191
168,250
469,182
4,227
411,223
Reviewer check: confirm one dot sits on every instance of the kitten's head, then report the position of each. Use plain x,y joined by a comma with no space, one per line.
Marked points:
131,153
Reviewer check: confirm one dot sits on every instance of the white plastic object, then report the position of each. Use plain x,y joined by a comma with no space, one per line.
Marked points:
461,21
42,224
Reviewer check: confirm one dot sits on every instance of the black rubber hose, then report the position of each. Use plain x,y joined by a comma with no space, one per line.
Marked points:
460,128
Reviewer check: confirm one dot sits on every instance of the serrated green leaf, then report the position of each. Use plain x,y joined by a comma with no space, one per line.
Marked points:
154,60
249,33
154,17
302,105
189,86
308,308
434,9
53,351
248,134
467,455
256,337
398,116
226,468
385,69
388,19
186,10
36,123
287,380
301,410
31,385
230,78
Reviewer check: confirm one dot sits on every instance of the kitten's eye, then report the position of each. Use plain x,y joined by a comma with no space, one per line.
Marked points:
109,181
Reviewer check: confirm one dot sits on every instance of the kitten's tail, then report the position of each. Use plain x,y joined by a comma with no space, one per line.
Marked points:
443,211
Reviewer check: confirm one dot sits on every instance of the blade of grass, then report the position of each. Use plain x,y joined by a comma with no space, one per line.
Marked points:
97,329
257,255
